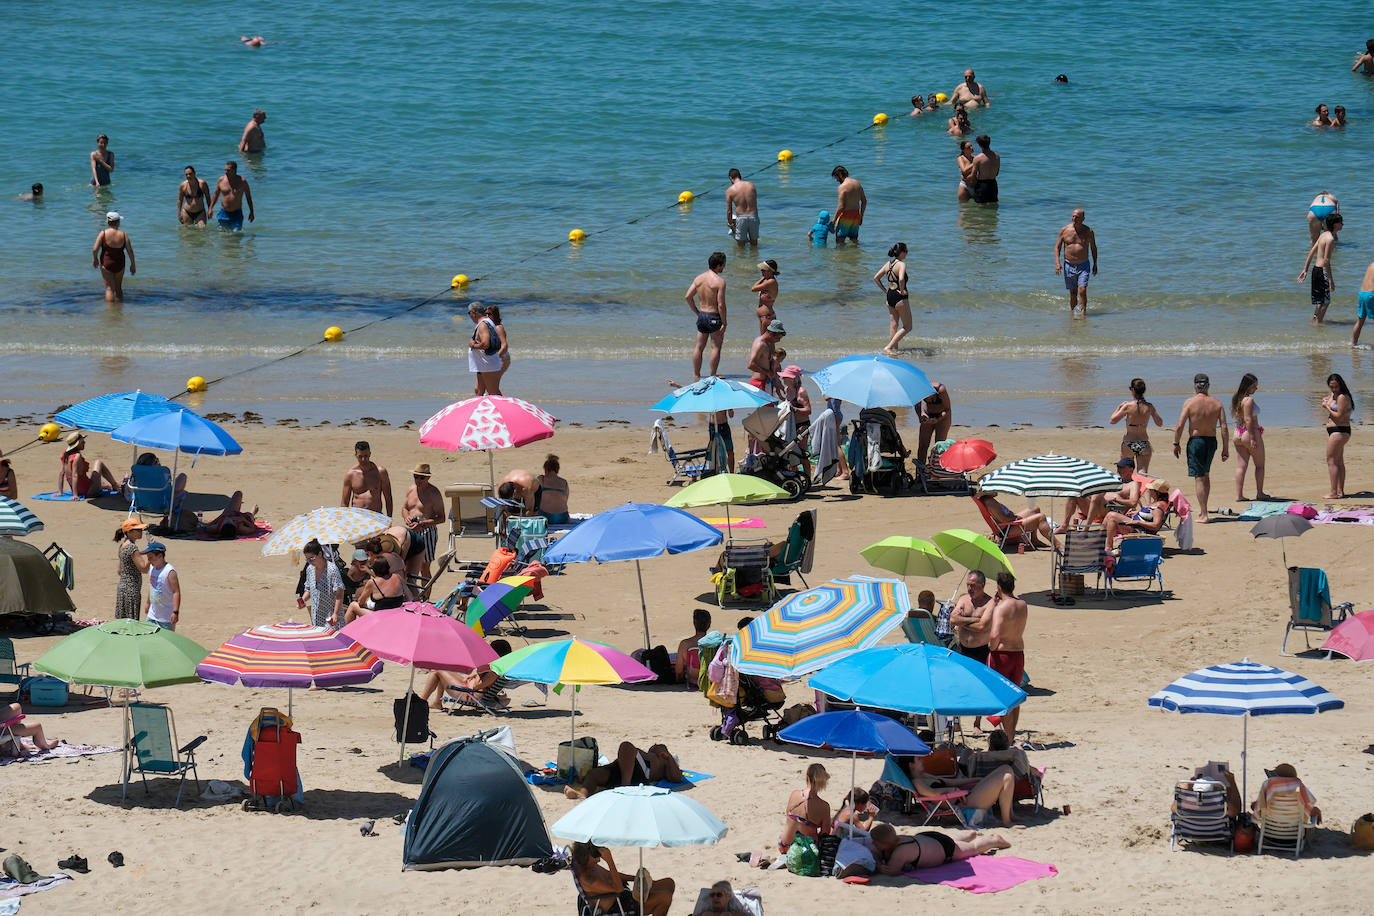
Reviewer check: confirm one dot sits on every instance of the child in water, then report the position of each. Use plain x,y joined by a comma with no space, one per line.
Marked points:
822,228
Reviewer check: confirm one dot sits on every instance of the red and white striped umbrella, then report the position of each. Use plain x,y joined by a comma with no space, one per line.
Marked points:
485,423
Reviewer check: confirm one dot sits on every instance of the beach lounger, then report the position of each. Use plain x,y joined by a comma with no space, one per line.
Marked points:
1309,605
689,465
1283,822
1140,560
1200,817
11,672
933,806
1083,555
153,748
1001,534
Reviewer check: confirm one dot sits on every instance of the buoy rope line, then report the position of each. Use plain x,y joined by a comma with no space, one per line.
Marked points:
534,254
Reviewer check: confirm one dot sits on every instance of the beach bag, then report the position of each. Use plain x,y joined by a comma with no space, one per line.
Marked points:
660,663
803,857
576,757
943,628
942,762
1307,512
796,712
417,725
1362,833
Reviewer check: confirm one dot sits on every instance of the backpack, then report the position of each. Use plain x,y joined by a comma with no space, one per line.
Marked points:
417,726
660,663
803,857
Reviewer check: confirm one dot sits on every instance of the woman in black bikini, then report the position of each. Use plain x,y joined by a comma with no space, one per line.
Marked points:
387,589
899,854
1137,413
1339,405
806,812
892,281
107,254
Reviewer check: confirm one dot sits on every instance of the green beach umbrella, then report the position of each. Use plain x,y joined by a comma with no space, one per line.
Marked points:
907,556
726,490
972,551
124,653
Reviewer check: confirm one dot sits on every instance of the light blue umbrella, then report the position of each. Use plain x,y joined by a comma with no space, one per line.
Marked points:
858,732
919,678
108,412
640,816
874,381
179,430
634,531
1245,689
712,394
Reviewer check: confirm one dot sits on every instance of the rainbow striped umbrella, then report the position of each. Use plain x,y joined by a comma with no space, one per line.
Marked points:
808,630
290,655
572,661
496,602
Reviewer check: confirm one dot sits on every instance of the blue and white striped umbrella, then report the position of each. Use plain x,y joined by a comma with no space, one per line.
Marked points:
1246,689
1049,476
110,411
16,520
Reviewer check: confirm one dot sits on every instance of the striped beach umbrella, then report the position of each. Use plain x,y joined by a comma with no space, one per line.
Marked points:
808,630
572,661
484,423
290,655
1051,476
1246,689
496,602
108,412
328,525
16,520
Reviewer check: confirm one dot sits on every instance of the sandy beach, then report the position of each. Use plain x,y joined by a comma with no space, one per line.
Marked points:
1110,758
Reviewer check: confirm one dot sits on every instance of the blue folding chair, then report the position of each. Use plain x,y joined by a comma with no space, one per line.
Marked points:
1139,560
153,749
11,672
150,489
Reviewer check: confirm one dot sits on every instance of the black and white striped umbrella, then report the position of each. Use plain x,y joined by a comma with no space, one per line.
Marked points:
17,520
1051,475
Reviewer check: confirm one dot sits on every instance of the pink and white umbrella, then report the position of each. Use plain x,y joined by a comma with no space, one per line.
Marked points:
485,423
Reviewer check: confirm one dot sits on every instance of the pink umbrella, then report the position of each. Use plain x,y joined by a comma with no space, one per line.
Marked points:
485,423
419,634
1353,637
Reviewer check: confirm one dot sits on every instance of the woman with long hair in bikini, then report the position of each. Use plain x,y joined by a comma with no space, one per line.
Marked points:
1339,405
1137,413
1249,436
807,813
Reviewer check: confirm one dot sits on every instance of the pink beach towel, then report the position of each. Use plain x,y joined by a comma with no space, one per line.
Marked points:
985,874
735,522
263,533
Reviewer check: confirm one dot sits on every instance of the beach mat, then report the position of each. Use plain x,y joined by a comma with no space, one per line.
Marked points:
264,532
12,889
985,874
1345,515
1259,510
56,497
60,752
735,522
689,777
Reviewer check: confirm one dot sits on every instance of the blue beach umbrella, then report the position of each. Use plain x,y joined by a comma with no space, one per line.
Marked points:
108,412
179,430
858,732
919,678
1245,689
712,394
874,381
634,531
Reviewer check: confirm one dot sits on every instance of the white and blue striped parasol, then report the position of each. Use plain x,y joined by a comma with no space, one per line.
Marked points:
1246,689
16,520
1049,476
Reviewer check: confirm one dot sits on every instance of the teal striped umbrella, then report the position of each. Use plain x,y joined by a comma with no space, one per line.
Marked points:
1050,476
16,520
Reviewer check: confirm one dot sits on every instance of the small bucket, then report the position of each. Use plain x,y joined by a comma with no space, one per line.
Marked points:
1073,583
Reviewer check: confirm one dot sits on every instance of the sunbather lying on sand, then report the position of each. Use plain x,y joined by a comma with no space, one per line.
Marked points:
897,854
632,767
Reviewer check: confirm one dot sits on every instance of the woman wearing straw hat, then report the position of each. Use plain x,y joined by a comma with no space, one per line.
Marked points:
82,478
107,254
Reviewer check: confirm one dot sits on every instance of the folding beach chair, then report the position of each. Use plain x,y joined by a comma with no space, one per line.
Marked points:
1083,555
11,672
919,626
688,465
934,806
745,575
150,489
1283,822
1200,817
153,749
799,551
1001,534
934,479
1309,605
1140,560
593,904
488,701
1030,787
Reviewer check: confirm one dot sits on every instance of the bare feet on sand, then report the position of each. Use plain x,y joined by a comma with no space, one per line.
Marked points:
574,794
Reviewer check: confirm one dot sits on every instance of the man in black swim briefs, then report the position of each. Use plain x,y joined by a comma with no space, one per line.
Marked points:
1202,414
706,298
899,854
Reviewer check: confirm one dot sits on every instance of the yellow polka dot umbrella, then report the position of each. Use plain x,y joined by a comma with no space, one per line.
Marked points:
328,525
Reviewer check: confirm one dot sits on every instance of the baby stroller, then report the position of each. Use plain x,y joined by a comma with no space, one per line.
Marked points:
777,459
877,457
751,705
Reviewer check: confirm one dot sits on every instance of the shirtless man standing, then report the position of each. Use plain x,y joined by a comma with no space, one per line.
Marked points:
193,199
1078,245
367,485
1319,259
742,209
970,618
233,188
987,165
102,162
709,287
422,512
1006,642
1203,414
970,92
253,140
850,205
762,366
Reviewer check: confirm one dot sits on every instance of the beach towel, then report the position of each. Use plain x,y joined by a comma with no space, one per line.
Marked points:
1259,510
56,497
264,531
1313,594
13,889
985,874
826,447
1349,515
689,777
34,755
735,522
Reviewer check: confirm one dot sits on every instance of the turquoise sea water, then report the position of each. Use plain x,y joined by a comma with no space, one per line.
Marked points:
414,141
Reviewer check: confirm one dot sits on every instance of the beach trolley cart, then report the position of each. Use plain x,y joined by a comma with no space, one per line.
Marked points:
272,776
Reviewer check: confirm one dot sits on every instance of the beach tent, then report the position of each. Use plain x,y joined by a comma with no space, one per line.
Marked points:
474,809
28,583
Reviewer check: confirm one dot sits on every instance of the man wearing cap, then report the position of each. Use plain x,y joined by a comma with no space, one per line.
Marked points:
81,478
706,298
9,484
232,189
366,485
761,361
742,209
422,511
1202,414
163,604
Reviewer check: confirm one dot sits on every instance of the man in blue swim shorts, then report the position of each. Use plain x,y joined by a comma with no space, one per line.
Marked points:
231,192
1202,414
1075,253
1364,308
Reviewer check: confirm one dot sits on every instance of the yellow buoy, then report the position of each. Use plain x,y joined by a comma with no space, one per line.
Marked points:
195,383
49,432
577,235
880,118
686,197
941,98
334,334
785,155
459,280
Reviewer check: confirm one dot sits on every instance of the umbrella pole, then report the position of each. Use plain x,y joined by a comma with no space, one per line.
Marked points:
643,607
289,691
1244,749
491,473
853,784
405,718
124,752
573,719
639,883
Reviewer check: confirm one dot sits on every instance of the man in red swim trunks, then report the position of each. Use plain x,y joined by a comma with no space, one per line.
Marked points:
761,362
1006,642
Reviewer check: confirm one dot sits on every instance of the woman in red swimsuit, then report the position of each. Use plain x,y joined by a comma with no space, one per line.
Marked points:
81,478
108,255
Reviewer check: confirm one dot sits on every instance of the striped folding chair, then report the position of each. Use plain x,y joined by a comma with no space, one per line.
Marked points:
1283,822
1200,817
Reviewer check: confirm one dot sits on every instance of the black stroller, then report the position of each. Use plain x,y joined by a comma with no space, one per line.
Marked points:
877,456
751,705
777,461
